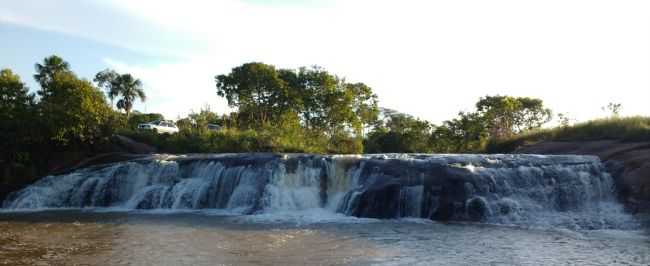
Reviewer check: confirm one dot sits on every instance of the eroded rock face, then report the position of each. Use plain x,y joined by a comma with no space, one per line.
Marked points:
486,188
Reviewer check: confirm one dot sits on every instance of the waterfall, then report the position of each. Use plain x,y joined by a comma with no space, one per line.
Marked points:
573,191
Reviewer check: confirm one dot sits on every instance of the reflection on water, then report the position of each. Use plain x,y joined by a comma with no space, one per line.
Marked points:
91,238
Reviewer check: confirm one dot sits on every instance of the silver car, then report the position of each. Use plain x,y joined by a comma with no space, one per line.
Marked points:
160,126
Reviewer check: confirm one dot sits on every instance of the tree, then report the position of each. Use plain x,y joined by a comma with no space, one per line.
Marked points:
199,121
315,89
466,133
564,120
613,108
106,79
506,115
324,106
15,98
257,90
16,115
46,71
130,89
365,106
74,112
322,101
398,132
124,85
532,114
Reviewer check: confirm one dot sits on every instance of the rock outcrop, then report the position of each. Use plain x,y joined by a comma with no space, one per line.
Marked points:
570,191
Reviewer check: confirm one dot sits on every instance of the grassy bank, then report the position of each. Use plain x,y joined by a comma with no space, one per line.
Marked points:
626,129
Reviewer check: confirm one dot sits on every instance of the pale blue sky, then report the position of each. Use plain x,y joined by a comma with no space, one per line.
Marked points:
428,58
22,47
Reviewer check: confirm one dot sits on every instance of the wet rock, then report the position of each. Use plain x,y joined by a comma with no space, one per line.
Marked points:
478,209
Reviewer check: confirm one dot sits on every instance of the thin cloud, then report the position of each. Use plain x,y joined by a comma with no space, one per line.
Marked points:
427,58
98,21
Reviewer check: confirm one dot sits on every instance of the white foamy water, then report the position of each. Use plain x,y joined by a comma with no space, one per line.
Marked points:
571,192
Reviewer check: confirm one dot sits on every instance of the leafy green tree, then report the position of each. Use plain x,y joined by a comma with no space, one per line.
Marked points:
258,92
532,114
496,117
505,115
74,112
106,79
466,133
16,115
314,87
365,106
15,98
399,133
338,114
323,101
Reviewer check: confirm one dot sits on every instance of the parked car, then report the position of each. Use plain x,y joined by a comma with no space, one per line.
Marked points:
160,126
214,127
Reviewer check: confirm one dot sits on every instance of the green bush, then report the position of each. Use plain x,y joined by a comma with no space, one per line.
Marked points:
268,139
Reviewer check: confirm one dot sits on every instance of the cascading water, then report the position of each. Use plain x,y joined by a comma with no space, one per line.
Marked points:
574,191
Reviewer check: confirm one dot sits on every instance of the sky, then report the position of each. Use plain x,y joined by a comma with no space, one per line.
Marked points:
430,59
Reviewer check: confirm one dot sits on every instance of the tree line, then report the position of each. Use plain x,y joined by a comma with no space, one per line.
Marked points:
282,110
328,107
276,110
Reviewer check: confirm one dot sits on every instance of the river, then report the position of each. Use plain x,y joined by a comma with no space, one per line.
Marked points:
254,209
73,237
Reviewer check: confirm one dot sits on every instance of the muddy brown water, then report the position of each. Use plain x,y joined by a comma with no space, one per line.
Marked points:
73,237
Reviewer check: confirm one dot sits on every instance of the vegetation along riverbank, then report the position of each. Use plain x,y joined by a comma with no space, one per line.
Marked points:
70,119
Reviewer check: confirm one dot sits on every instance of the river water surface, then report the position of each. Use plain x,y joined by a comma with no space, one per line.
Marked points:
299,209
74,237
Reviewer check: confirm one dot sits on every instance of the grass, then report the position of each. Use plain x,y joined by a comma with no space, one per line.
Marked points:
626,129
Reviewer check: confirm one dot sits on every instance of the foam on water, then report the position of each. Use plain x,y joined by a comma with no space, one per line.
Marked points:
303,217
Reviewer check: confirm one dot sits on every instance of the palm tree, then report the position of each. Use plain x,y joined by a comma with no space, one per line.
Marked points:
51,65
131,89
